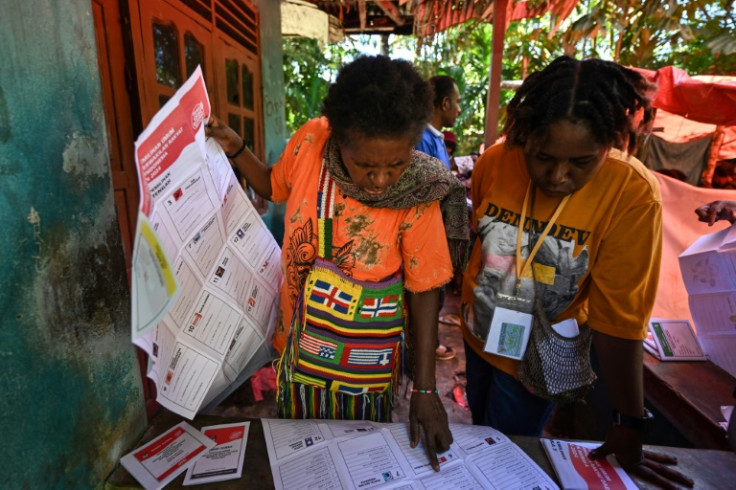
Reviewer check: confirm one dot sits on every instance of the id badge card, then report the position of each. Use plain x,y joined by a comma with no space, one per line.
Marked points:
510,331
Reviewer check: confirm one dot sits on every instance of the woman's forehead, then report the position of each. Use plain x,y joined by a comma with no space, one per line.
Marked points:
562,134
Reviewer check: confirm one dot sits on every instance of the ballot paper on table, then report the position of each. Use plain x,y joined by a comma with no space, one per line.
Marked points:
708,269
206,270
224,461
578,472
673,340
159,461
363,455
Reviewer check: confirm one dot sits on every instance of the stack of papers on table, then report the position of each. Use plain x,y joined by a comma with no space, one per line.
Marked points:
709,272
673,340
359,455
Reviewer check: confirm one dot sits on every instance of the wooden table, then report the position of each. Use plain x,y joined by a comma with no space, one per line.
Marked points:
689,394
709,468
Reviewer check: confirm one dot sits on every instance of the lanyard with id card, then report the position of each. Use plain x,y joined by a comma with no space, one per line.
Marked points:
512,320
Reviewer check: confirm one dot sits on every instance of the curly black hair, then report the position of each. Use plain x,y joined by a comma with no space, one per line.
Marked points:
601,94
378,97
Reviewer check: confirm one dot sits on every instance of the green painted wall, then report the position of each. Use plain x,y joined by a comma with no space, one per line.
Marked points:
71,402
274,117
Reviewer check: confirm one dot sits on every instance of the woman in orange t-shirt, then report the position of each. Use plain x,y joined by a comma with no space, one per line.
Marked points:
364,235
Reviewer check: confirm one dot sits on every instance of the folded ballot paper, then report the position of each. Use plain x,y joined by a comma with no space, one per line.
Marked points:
709,271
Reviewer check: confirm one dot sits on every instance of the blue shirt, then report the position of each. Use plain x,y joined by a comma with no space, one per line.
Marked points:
433,144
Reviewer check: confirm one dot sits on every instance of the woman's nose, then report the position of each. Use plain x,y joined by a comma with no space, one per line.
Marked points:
558,174
380,179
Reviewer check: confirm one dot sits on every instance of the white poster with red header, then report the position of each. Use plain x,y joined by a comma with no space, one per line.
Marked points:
206,270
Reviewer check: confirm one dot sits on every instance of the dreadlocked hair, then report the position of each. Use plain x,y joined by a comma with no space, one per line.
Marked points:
378,97
603,95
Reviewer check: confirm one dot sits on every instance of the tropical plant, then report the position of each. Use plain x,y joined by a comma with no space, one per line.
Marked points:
305,81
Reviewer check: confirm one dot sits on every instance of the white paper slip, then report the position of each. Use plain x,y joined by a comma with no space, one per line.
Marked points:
567,328
223,461
160,461
726,411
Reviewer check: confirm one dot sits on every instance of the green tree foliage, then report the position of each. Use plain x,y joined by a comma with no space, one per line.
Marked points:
695,35
698,36
306,79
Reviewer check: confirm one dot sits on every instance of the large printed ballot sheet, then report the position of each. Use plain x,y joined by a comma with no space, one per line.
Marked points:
306,454
206,270
709,271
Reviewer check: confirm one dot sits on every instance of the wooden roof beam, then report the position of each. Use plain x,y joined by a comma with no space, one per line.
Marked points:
362,14
391,11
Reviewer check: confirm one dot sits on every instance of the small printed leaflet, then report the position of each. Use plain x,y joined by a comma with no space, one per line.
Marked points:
223,461
158,462
577,472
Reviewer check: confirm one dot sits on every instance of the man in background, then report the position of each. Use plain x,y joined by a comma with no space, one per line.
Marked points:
446,103
446,109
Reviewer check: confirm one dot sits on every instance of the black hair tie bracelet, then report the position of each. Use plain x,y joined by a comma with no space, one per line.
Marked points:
240,150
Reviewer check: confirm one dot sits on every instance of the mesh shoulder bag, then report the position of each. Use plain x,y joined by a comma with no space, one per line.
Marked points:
555,367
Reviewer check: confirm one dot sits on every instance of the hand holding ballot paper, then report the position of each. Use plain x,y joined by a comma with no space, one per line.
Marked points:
206,270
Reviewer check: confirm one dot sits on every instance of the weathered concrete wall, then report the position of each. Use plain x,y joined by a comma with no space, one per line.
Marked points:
274,116
70,392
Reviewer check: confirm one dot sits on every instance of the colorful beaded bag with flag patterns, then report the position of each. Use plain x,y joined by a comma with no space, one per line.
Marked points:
342,357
